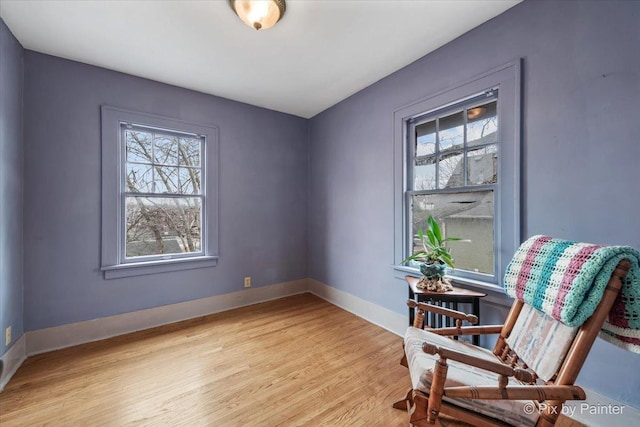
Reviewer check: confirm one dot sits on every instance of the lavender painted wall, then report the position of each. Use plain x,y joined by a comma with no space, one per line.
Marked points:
11,284
581,81
263,193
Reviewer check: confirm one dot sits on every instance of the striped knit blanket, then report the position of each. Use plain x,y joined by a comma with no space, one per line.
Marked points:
566,280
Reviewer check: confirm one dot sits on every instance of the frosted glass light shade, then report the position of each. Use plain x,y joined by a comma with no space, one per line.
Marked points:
474,113
259,14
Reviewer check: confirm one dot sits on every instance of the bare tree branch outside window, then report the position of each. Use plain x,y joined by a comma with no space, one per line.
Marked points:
163,193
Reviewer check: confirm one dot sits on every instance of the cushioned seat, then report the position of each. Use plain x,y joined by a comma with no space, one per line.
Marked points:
421,365
563,294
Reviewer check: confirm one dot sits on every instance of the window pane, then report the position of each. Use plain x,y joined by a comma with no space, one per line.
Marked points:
160,225
424,173
166,179
451,135
482,124
482,165
189,180
426,139
467,215
450,170
166,149
139,178
138,146
189,152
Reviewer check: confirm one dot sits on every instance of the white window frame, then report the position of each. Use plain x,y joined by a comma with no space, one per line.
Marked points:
506,79
114,264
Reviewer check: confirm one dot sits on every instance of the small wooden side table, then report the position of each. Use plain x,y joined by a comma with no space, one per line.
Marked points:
449,299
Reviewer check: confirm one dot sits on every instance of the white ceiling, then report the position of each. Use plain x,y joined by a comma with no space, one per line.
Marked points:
321,52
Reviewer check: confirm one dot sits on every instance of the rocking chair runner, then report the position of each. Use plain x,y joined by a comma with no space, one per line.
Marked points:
523,381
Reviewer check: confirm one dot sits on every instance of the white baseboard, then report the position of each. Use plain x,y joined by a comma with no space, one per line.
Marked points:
43,340
12,359
373,313
57,337
597,410
604,407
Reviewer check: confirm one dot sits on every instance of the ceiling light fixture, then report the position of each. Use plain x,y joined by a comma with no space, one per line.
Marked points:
259,14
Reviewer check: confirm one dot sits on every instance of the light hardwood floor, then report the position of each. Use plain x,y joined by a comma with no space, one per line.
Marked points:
290,362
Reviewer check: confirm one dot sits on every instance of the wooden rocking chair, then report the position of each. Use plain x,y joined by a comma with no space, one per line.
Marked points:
525,379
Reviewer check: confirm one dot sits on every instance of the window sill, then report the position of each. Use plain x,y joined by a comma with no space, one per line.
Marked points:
160,266
403,270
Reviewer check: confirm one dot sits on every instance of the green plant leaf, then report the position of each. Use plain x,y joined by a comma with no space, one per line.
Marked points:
435,228
434,248
432,238
418,256
421,237
446,257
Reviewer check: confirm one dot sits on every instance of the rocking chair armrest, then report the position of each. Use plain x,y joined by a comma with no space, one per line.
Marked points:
468,330
518,392
443,311
488,365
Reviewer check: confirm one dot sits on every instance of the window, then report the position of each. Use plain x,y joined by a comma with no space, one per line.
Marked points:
457,159
163,195
453,176
159,182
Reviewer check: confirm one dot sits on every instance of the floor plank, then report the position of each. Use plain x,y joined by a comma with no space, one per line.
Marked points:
294,361
290,362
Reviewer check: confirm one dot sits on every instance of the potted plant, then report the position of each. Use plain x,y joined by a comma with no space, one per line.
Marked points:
434,258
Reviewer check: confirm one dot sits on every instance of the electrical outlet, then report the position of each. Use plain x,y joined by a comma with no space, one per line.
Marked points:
7,336
247,282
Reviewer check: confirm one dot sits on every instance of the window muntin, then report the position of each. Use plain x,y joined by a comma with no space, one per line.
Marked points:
453,153
163,197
